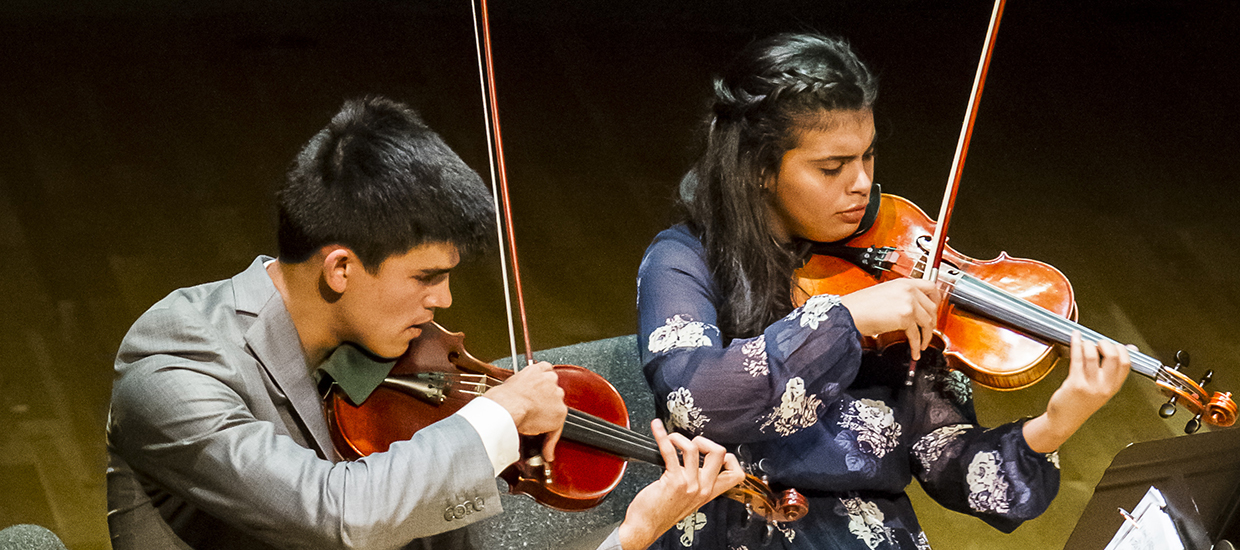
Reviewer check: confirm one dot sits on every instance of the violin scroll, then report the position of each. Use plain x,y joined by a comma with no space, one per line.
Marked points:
761,501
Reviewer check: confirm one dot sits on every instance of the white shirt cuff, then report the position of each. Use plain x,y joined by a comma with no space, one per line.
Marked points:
613,541
497,430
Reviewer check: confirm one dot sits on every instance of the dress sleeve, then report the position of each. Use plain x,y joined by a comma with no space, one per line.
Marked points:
988,473
742,390
180,417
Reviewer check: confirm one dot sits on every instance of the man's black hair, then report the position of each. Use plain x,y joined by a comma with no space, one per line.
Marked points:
378,181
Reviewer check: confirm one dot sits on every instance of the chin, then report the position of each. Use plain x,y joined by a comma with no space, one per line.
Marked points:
391,351
830,237
845,232
391,354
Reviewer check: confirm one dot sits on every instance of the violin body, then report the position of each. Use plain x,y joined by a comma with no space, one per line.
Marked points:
436,377
993,355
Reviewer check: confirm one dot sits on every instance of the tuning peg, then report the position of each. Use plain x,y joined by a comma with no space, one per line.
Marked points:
1207,378
1193,425
1167,410
748,514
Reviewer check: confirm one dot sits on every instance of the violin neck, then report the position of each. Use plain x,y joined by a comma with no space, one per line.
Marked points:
979,297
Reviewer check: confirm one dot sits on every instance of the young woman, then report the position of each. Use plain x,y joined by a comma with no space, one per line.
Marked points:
736,352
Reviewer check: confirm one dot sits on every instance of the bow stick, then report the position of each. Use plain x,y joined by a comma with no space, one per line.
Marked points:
499,192
931,270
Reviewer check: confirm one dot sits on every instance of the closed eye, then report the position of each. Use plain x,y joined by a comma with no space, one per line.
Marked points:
832,169
431,278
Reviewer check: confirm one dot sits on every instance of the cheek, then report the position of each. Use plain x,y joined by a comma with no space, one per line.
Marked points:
809,202
386,304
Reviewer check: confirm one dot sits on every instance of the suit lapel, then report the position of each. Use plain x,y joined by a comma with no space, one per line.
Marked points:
274,342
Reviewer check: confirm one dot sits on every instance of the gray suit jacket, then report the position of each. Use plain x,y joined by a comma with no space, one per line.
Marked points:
217,439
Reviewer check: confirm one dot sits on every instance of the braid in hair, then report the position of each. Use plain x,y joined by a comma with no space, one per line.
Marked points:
774,85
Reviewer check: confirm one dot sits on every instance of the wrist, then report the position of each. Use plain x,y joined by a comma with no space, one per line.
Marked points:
516,407
1044,435
859,322
633,537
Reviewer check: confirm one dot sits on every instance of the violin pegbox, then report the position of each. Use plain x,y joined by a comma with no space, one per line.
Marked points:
1218,409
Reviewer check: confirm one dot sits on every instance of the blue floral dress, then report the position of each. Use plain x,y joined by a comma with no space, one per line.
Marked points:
803,404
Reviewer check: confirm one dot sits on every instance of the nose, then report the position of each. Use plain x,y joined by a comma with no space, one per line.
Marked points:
440,297
862,183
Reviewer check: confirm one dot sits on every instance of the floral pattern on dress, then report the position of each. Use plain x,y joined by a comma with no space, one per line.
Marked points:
690,526
682,413
755,357
815,310
987,485
796,409
638,300
921,542
875,425
1053,458
957,385
680,332
930,447
865,521
789,533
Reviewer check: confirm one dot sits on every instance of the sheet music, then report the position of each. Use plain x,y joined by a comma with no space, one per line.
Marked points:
1150,527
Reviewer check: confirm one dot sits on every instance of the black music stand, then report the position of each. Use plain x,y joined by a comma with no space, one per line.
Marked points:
1199,475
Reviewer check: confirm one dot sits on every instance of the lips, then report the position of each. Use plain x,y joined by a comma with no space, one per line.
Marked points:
854,214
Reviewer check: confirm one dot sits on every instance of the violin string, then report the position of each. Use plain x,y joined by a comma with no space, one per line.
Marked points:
1001,305
616,433
625,436
612,430
1030,317
477,380
626,443
584,430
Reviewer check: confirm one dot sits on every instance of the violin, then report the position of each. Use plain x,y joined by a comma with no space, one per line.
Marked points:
436,377
1002,318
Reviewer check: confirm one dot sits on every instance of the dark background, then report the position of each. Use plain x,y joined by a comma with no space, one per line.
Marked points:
140,141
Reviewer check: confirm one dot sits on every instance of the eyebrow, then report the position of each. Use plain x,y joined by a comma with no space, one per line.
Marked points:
836,158
873,140
432,272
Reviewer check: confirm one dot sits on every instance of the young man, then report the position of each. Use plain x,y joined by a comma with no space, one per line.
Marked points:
217,437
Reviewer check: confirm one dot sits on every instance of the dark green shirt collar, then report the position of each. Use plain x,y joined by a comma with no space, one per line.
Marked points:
356,372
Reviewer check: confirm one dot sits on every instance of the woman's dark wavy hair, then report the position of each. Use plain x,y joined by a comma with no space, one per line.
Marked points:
378,181
777,88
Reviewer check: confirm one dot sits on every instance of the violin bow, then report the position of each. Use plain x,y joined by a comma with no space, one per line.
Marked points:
931,270
499,185
962,146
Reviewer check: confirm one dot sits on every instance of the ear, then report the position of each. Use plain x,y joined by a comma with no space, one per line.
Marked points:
338,262
767,178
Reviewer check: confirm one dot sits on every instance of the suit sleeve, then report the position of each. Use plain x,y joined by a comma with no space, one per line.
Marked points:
180,417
